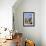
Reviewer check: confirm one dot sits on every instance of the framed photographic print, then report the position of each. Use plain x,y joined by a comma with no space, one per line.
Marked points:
28,19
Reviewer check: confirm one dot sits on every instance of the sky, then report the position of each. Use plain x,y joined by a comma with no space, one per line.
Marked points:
28,15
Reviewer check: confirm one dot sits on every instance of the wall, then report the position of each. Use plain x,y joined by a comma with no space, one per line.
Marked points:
43,22
33,33
6,13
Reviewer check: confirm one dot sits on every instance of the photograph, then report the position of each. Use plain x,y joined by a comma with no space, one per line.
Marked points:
28,18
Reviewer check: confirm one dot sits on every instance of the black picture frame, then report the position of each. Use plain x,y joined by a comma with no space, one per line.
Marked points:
28,19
